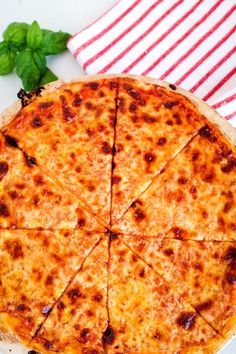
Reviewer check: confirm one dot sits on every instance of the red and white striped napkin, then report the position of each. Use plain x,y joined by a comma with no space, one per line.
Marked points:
189,43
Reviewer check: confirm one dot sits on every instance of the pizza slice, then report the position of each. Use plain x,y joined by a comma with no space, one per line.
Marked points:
153,124
75,126
204,273
29,199
78,320
143,322
36,267
194,197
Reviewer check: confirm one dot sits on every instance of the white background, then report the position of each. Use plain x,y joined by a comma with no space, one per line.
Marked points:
66,15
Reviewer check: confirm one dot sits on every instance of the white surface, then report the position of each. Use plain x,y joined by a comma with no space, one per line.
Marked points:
67,15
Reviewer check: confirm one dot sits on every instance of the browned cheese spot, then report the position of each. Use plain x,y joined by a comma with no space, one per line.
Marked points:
149,157
106,148
38,180
3,169
84,335
193,190
204,306
49,280
74,294
97,298
161,141
231,164
227,207
13,195
198,266
45,105
14,248
22,308
148,119
81,223
170,104
186,320
230,254
142,273
108,336
207,133
93,85
37,122
168,252
195,155
77,101
116,179
230,275
30,161
182,180
178,232
61,306
139,215
48,345
133,107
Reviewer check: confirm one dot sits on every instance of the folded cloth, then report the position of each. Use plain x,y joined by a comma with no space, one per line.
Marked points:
189,43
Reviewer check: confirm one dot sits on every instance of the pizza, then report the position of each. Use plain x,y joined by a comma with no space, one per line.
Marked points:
117,220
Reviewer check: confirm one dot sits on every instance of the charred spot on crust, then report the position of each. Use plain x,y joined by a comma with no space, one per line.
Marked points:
24,97
139,215
186,320
108,336
106,149
48,345
3,169
4,211
32,352
37,122
204,306
45,105
161,141
30,161
116,179
113,85
149,157
11,141
173,87
230,254
207,133
46,310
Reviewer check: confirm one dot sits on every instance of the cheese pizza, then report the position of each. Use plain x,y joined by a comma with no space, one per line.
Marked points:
117,220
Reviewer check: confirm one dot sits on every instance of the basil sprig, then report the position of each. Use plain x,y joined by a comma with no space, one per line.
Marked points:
25,48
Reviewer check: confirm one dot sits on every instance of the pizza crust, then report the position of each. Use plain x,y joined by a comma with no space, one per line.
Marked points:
215,118
222,124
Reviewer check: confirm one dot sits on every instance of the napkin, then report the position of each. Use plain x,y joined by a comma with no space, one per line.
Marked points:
188,43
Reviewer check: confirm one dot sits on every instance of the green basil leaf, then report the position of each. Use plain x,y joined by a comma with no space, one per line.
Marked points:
27,69
4,48
46,31
15,34
47,77
40,60
34,36
54,42
7,61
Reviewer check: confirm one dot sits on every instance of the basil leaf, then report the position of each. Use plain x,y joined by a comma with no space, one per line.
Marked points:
15,34
40,60
7,60
46,31
54,42
34,36
27,69
4,48
47,77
